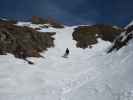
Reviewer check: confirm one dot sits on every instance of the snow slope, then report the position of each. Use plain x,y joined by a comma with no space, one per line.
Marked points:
88,74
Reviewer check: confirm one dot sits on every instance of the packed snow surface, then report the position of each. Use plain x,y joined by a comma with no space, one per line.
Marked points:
87,74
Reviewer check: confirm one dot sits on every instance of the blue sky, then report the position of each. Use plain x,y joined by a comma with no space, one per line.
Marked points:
71,12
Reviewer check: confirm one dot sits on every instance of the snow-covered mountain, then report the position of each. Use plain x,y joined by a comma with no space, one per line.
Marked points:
87,74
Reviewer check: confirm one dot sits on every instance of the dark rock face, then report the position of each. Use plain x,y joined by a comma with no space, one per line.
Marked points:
51,21
8,21
123,39
88,35
23,42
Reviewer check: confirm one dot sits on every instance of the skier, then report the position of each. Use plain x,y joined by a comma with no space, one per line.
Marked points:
66,53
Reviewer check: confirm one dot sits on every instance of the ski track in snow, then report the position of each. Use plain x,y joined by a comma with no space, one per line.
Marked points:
85,74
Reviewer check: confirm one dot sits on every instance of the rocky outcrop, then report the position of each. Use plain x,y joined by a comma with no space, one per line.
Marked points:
88,35
23,42
123,39
50,21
